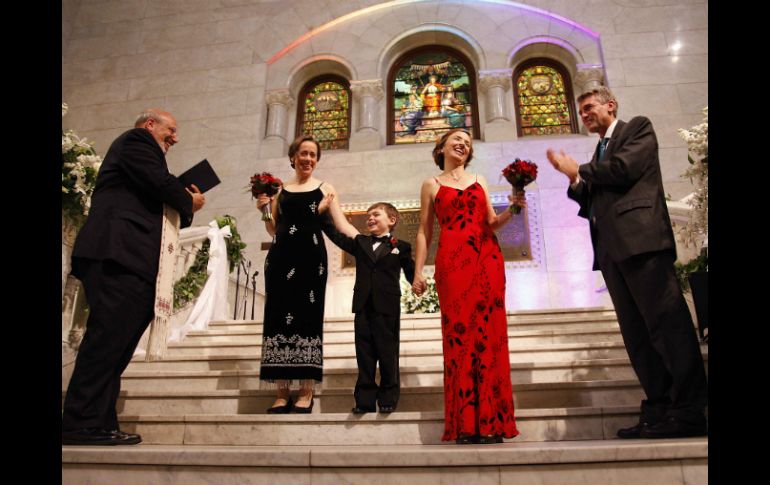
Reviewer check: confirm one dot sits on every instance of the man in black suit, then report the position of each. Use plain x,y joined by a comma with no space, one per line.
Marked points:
377,305
116,257
620,192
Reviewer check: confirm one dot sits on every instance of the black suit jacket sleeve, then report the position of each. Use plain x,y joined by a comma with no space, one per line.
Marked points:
339,239
144,166
628,156
405,258
582,195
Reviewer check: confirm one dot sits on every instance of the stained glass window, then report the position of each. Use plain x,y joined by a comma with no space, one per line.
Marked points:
325,112
543,101
432,92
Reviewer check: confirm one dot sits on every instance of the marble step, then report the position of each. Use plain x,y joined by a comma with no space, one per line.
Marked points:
587,462
342,342
340,400
399,428
428,354
208,359
413,376
553,320
237,358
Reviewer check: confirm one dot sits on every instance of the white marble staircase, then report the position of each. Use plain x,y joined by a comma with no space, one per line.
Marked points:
202,416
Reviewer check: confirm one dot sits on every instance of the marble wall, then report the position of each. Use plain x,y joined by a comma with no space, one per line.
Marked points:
230,71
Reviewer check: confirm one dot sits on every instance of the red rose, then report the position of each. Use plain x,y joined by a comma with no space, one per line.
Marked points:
264,183
520,173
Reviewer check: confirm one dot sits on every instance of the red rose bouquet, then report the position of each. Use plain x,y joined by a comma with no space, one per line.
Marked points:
519,174
265,183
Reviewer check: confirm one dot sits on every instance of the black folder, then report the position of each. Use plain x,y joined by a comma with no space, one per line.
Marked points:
202,175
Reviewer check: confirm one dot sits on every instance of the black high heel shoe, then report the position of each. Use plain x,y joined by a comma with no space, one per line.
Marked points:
281,409
467,440
307,410
488,440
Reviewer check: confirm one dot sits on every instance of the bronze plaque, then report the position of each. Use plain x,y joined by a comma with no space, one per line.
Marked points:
513,237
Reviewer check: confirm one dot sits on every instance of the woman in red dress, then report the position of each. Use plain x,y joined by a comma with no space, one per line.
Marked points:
470,281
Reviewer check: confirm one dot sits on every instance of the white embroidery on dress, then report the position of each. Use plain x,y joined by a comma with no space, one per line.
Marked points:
320,269
294,351
289,318
312,297
292,229
313,207
315,239
290,274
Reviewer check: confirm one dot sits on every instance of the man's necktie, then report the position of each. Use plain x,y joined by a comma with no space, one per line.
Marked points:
603,147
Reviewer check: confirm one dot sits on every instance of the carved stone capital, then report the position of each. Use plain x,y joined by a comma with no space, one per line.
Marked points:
589,77
497,77
370,87
279,96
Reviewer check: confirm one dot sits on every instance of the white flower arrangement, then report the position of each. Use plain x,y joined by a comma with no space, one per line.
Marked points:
80,165
411,303
698,173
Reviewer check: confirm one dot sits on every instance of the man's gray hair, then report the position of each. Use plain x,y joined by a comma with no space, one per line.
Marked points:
602,95
148,114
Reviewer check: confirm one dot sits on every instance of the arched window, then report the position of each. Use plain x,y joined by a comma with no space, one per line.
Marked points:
543,94
324,111
430,90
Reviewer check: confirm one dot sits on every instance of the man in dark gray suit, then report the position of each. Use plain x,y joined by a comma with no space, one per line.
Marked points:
620,192
116,258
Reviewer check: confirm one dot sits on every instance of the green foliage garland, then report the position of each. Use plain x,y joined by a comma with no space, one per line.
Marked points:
701,263
189,287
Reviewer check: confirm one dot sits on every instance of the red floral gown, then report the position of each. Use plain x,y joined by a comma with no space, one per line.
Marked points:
470,281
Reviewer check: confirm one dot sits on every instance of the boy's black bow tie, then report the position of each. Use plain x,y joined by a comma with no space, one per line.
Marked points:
380,238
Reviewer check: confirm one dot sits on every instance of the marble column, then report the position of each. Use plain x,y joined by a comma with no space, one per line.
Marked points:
588,78
496,86
367,96
275,143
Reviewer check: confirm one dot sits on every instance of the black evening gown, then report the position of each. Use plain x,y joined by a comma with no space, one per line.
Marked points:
295,283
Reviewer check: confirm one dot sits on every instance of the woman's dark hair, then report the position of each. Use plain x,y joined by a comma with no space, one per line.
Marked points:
438,150
299,141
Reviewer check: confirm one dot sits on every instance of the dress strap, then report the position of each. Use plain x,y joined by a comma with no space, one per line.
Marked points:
437,180
319,185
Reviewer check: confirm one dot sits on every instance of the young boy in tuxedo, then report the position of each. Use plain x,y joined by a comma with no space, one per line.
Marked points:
380,257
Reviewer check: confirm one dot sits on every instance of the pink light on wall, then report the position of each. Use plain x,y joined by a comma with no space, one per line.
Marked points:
395,3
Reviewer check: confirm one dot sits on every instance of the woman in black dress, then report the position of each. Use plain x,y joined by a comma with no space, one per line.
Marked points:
295,282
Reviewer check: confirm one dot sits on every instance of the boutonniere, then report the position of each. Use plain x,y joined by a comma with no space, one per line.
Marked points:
393,241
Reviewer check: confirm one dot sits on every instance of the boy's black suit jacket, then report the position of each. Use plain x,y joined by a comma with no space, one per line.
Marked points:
378,272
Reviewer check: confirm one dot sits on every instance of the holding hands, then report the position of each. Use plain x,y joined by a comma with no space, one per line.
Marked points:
420,285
